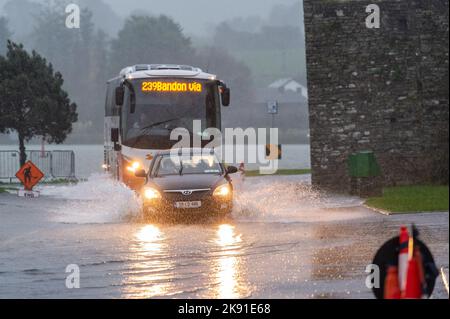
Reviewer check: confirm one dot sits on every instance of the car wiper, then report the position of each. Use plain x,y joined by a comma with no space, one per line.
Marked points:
181,167
145,128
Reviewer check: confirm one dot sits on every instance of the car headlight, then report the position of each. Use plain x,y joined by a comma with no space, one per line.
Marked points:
222,190
134,166
151,193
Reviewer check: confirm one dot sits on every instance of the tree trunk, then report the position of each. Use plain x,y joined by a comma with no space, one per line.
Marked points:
23,155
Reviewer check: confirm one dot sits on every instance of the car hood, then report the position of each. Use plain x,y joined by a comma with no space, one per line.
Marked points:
187,181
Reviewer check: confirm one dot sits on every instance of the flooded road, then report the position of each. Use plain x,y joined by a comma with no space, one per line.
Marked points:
282,241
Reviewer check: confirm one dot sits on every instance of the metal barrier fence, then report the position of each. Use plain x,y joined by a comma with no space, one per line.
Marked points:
54,164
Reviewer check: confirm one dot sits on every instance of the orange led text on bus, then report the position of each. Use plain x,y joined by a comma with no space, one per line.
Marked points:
158,86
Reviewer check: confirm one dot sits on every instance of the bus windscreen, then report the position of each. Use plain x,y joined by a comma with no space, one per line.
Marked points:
161,105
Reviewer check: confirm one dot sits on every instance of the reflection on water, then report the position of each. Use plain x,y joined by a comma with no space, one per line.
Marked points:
150,237
157,271
149,276
226,236
228,271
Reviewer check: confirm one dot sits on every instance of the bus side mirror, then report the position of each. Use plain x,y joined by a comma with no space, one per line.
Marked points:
114,135
120,92
225,96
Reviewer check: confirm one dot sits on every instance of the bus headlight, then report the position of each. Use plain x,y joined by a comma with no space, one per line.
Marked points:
222,190
134,166
151,193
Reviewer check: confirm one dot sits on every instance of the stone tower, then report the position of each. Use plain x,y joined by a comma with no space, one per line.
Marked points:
382,89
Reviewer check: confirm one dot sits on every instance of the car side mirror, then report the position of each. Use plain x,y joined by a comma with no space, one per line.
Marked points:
114,135
231,169
140,173
117,147
120,92
225,95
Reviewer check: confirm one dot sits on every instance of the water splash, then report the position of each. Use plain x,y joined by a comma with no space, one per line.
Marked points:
100,199
283,199
289,199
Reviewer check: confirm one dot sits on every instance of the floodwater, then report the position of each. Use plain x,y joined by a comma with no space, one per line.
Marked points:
283,240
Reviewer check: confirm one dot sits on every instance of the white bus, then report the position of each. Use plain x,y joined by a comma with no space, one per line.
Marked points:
145,103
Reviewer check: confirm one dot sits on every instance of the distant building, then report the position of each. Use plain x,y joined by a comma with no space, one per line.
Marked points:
289,85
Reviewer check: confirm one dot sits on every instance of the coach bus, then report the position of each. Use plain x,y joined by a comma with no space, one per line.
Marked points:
145,103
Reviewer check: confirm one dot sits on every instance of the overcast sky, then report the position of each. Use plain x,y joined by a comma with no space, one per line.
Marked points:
195,15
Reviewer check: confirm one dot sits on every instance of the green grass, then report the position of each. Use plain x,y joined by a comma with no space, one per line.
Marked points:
55,181
59,181
403,199
6,189
280,172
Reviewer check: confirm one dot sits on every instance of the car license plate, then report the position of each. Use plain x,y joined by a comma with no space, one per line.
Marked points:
191,204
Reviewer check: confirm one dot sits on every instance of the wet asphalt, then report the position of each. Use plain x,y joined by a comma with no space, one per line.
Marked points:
277,244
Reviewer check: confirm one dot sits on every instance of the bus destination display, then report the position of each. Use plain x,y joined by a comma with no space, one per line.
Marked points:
160,86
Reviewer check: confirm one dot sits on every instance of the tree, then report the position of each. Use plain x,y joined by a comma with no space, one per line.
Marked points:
103,15
235,73
33,102
145,39
5,34
237,76
80,55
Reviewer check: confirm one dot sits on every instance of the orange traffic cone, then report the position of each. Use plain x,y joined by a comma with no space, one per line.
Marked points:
403,257
391,287
413,288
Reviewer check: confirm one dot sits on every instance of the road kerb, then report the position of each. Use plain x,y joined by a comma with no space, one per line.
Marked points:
388,213
378,210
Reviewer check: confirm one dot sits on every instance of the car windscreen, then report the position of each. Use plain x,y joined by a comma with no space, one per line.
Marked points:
180,165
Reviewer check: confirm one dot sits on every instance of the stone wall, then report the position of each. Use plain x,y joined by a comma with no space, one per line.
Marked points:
382,89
